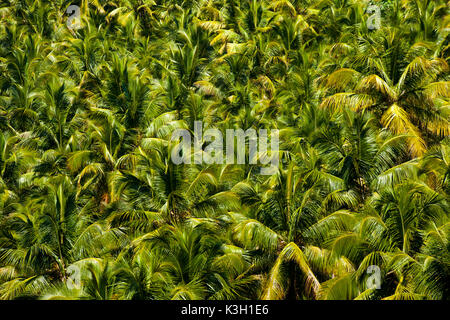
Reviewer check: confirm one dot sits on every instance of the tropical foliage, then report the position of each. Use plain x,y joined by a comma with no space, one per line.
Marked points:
92,207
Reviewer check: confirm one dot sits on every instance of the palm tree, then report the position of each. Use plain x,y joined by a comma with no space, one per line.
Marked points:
92,205
408,107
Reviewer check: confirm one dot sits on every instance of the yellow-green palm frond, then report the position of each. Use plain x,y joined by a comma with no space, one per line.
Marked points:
374,83
275,287
397,119
438,89
355,101
420,70
341,79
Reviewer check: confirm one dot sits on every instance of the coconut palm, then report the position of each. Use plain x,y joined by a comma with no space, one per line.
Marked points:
93,204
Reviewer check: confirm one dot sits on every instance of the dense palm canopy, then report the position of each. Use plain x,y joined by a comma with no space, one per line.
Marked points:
92,207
